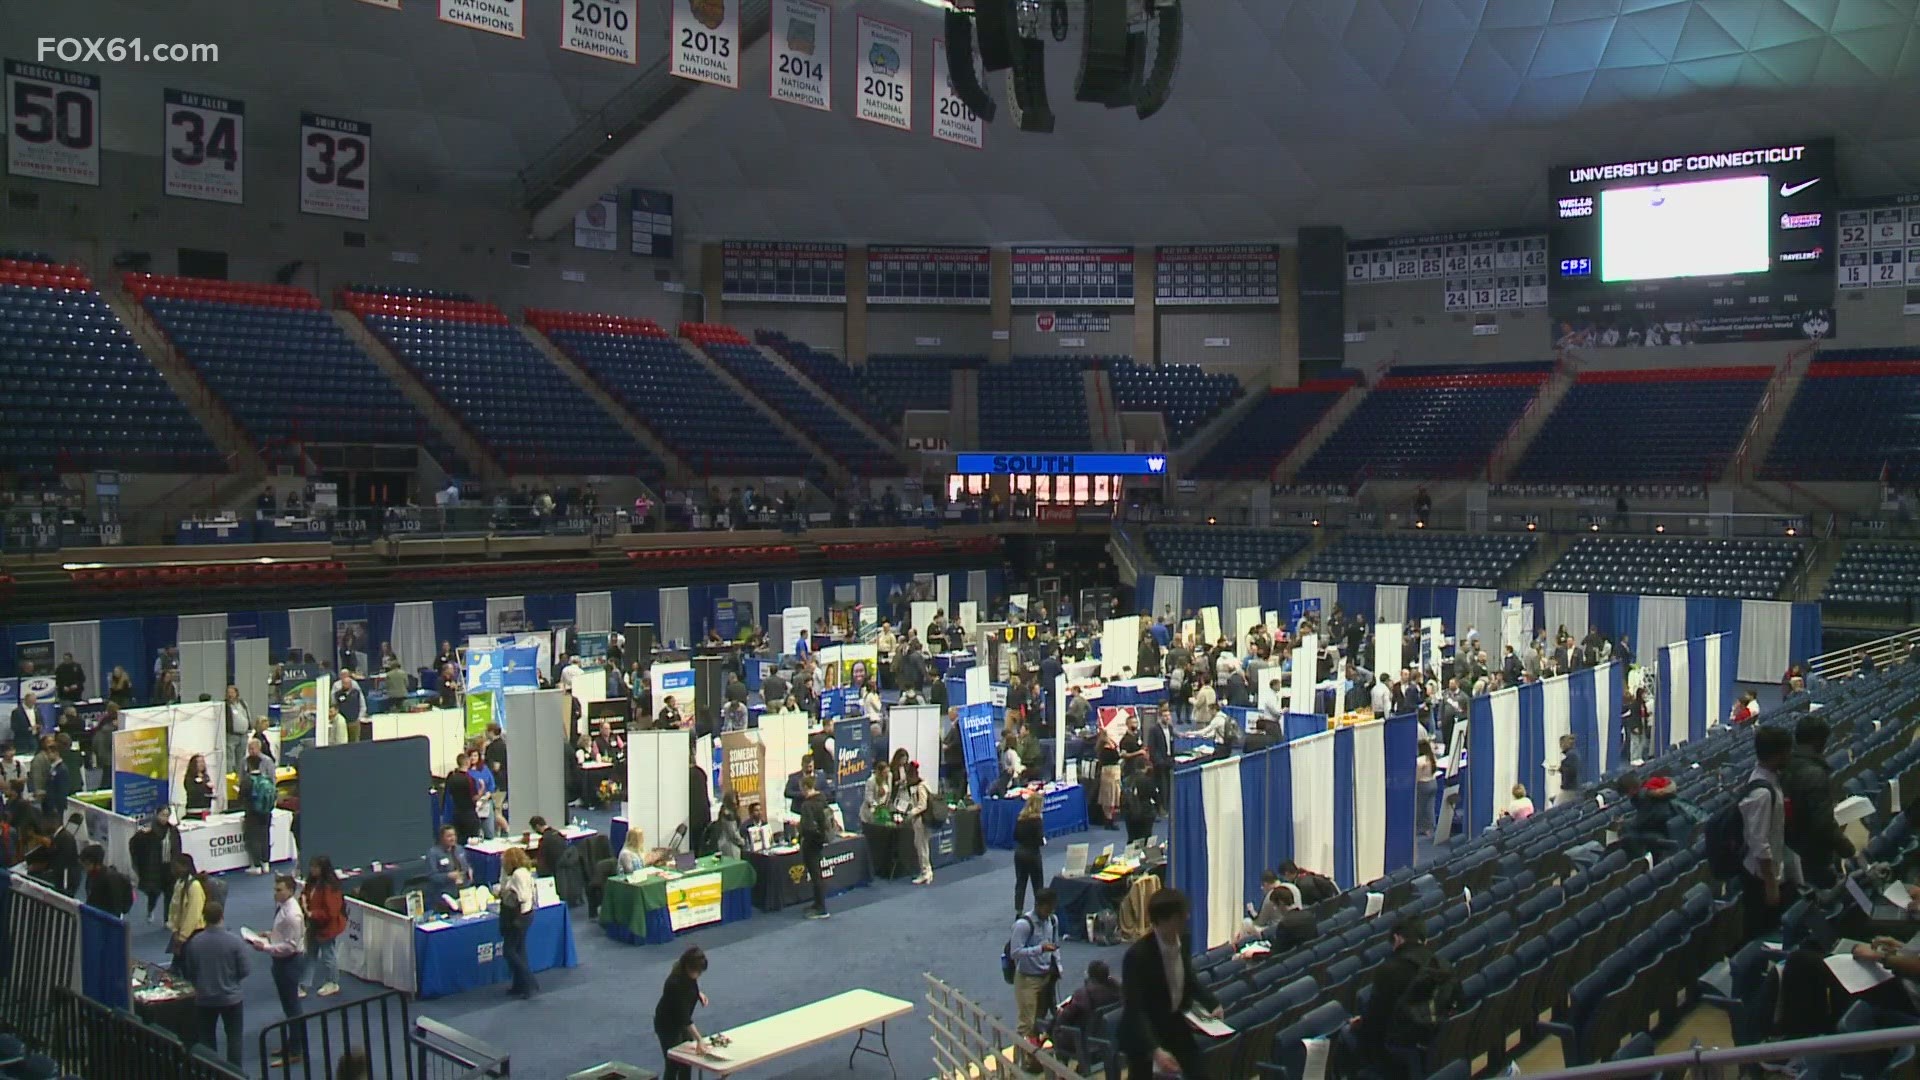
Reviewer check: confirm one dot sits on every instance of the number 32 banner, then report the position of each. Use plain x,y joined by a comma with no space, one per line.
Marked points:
884,94
336,160
205,138
706,41
802,54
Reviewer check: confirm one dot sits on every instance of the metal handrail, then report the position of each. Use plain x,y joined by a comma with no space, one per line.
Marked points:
1699,1059
1841,663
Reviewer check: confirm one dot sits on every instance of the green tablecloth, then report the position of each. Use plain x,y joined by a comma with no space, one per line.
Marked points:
626,903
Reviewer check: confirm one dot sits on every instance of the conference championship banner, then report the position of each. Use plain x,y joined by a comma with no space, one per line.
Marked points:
336,166
652,222
778,272
953,121
800,63
1217,274
883,93
597,227
203,144
53,124
508,18
705,41
140,759
929,275
1073,275
608,29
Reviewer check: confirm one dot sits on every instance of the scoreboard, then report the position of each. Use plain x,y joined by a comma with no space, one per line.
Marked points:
775,272
1217,274
652,221
1046,276
1486,270
929,275
1879,244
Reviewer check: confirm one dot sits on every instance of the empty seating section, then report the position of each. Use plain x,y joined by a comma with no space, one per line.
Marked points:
1214,551
528,414
1035,403
1186,394
1875,578
1849,420
814,418
1680,424
1421,422
1420,558
1270,431
1675,566
686,406
829,373
285,370
76,391
899,384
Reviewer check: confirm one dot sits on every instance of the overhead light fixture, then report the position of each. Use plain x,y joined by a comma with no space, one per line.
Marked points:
1151,95
1027,78
961,75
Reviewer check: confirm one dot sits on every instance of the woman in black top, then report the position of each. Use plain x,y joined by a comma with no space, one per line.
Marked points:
153,848
1029,832
673,1016
198,784
461,796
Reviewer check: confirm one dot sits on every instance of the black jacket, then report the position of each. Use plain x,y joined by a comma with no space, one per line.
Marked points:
109,890
1380,1017
1314,887
153,852
1150,1019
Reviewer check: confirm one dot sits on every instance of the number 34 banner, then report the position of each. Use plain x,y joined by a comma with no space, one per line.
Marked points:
205,140
884,94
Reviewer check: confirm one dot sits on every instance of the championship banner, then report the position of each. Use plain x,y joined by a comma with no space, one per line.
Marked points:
53,124
929,275
743,766
693,900
1217,274
652,221
140,761
852,766
776,272
508,18
953,121
705,43
336,166
203,142
1073,275
800,63
597,227
608,29
479,712
883,93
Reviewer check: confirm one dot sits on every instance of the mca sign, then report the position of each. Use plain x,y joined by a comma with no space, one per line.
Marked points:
1015,464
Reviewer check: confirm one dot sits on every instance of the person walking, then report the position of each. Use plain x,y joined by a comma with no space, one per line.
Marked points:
518,902
673,1014
326,910
215,962
259,795
1158,987
1034,944
153,848
1029,835
286,943
815,823
1137,799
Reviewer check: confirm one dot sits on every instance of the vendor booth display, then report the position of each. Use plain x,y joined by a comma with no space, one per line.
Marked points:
652,905
1065,811
436,957
780,874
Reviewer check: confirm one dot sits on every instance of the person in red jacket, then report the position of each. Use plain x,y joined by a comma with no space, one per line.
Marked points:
326,909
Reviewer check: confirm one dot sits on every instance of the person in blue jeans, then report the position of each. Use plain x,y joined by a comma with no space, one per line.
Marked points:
215,962
287,944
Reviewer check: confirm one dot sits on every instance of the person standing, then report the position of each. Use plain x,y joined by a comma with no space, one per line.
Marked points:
1033,945
1158,987
238,726
107,889
23,723
910,799
154,848
1029,835
463,799
186,910
287,944
815,823
260,795
1808,783
69,679
673,1014
1569,771
1159,742
1770,869
1426,782
215,962
326,910
518,902
1137,801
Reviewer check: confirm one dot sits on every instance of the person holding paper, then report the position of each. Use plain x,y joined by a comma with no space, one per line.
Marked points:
1770,869
286,943
215,961
1159,988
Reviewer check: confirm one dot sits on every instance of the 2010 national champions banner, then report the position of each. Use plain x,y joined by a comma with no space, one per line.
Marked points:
608,29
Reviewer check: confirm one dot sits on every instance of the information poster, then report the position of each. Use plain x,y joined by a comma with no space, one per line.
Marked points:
596,226
336,166
203,146
652,221
883,93
479,710
705,46
852,766
53,124
608,29
693,900
743,766
140,762
801,60
300,705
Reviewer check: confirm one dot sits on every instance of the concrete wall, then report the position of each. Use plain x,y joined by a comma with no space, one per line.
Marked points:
1029,341
823,326
962,331
1252,336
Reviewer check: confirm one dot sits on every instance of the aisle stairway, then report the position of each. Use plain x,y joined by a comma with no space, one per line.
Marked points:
206,407
642,434
444,422
852,418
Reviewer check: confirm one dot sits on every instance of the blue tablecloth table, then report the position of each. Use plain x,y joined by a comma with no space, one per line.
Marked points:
467,954
1065,812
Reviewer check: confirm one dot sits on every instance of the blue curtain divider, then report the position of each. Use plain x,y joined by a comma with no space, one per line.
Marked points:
1804,636
1533,750
1582,699
1479,795
1206,592
1343,787
1402,748
1257,818
1188,850
277,626
1280,797
103,958
123,643
1354,598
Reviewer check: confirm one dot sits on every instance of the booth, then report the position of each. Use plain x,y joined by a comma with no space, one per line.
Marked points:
1065,812
483,856
780,874
218,844
650,907
439,957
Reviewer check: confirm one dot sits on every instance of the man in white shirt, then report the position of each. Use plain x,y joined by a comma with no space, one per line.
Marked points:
1770,869
287,944
569,671
1382,696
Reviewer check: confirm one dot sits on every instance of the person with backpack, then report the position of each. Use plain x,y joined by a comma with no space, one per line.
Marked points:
815,823
261,795
1033,948
1812,833
1413,990
1769,869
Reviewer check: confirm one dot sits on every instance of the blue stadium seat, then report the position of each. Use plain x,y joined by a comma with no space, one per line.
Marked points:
1676,566
1679,425
1270,430
1187,395
1035,403
1210,551
1855,417
821,422
1420,558
1420,422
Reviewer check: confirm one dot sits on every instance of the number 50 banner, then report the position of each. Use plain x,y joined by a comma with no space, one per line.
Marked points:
884,90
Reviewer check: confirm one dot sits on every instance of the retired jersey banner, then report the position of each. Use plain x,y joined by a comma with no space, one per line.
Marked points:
705,45
336,165
203,143
597,227
884,74
608,29
53,124
801,59
507,18
952,121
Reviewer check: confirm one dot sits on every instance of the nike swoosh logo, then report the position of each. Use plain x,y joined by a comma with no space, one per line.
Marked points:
1787,191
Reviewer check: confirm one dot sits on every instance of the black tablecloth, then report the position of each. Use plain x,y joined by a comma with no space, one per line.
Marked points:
177,1015
781,876
891,846
1078,897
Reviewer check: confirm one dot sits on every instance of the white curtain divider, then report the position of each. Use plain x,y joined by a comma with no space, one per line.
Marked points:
204,628
593,612
1674,684
1390,605
82,639
1716,709
942,593
1507,766
413,634
1607,680
311,631
1370,801
870,597
1236,594
1476,608
1568,610
1313,790
1663,621
812,596
676,622
1766,633
1169,598
1226,849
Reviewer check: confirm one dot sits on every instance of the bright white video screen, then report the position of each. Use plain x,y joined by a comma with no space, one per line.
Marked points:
1701,229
